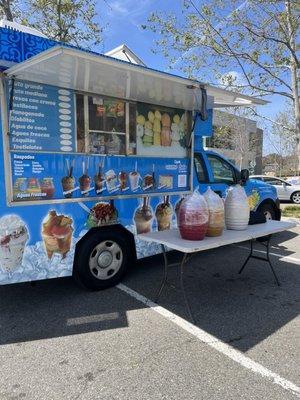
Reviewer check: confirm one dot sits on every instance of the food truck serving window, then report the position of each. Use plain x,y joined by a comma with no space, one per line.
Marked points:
101,125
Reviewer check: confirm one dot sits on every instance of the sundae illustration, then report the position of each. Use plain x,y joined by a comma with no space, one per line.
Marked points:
13,238
85,180
57,234
47,188
143,217
164,213
99,179
149,181
102,213
134,179
111,181
68,181
123,177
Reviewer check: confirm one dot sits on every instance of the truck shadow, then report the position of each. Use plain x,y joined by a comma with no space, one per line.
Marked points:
241,310
58,307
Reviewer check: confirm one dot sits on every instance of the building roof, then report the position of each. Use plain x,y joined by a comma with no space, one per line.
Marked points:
123,52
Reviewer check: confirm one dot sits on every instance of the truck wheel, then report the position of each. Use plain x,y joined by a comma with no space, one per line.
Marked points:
268,211
101,260
296,197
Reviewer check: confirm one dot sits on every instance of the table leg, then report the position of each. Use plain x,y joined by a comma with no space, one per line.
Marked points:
267,259
184,259
164,280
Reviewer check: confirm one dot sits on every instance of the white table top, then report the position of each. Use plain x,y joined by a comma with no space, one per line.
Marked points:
171,238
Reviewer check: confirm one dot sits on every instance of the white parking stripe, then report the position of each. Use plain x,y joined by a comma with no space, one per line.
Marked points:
215,343
281,256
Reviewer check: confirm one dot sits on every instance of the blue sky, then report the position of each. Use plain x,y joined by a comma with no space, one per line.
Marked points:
124,19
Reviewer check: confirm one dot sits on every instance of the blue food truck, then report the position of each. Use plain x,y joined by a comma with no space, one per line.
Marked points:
94,151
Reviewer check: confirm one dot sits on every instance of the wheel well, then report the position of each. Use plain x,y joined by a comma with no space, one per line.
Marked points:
117,228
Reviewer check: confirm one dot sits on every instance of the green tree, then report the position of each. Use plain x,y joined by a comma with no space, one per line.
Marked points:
8,9
69,21
249,46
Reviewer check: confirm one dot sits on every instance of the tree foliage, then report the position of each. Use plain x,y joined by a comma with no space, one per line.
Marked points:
248,46
69,21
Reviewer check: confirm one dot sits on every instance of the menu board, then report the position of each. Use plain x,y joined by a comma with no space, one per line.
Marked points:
58,176
42,118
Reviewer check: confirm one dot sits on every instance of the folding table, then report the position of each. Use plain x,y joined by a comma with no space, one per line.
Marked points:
171,240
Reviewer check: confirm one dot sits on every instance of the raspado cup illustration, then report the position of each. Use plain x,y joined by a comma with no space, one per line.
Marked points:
164,213
57,234
143,217
13,238
68,182
102,213
85,180
99,179
134,179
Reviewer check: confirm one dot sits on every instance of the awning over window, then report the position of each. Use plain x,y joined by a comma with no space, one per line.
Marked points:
93,73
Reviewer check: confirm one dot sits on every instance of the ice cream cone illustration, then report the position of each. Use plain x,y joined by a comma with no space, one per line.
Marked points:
68,181
13,238
164,213
57,234
143,217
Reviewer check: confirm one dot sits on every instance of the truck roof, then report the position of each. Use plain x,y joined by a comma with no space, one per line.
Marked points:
71,67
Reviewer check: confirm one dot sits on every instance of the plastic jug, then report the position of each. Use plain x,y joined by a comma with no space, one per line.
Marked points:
237,211
216,213
193,217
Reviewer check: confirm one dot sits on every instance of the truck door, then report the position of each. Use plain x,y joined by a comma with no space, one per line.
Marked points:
214,171
223,173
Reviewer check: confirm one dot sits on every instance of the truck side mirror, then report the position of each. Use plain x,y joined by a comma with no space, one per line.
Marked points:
244,175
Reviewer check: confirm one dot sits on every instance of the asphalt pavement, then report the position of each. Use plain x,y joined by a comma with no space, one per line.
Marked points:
59,341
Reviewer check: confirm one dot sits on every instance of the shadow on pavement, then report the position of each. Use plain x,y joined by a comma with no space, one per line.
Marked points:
239,309
58,307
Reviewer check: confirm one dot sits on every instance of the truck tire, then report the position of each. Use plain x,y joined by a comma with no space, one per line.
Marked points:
101,260
268,211
295,197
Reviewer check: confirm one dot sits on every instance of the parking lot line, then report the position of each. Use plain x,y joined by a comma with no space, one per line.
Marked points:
293,260
214,342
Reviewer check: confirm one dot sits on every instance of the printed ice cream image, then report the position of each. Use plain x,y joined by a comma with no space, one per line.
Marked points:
85,180
47,188
111,181
123,177
143,217
134,179
57,234
102,213
13,238
165,182
99,179
68,181
148,180
164,213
